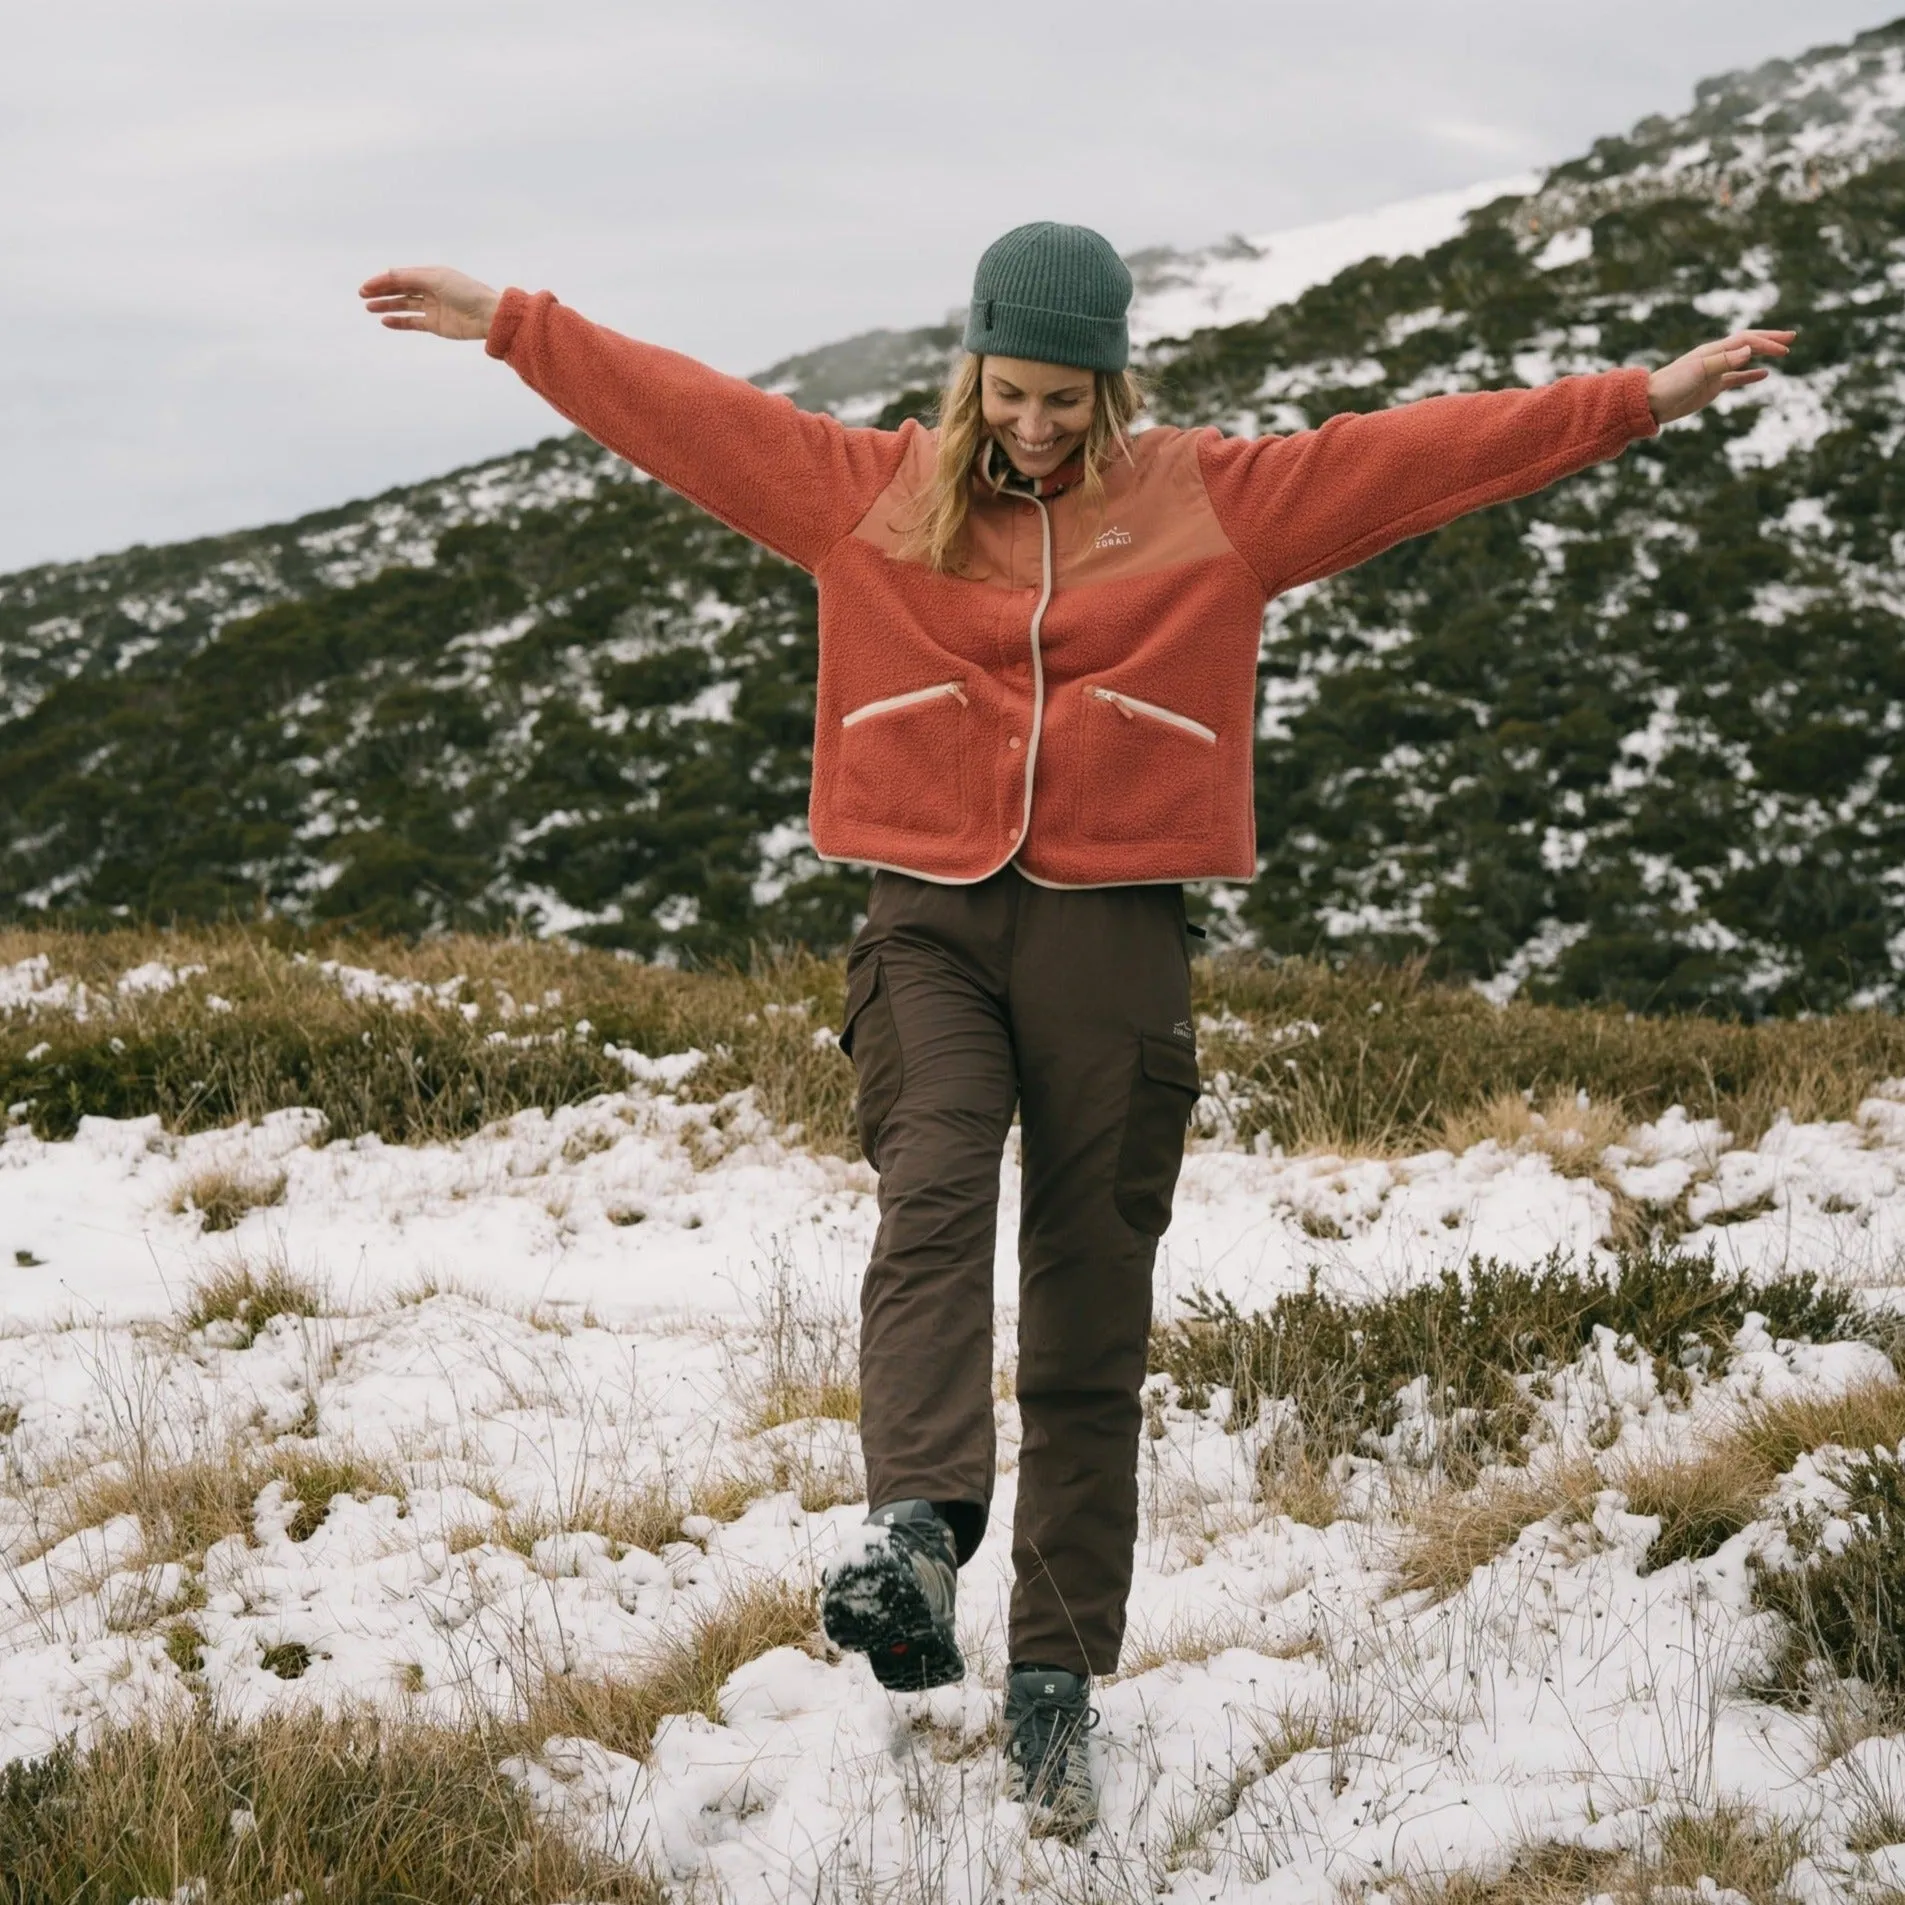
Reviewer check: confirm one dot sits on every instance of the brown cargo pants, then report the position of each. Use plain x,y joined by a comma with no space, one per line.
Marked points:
963,1001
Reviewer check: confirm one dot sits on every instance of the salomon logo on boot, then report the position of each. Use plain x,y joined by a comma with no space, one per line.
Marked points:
890,1597
1047,1716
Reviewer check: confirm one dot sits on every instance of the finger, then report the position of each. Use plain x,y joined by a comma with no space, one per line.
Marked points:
1739,379
409,301
404,324
397,278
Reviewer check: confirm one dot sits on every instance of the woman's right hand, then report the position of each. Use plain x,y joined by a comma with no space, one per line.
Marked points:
430,298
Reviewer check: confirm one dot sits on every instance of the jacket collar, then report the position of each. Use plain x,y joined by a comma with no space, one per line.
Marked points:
995,476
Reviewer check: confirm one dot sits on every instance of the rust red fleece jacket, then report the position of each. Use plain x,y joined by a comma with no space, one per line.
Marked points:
1083,697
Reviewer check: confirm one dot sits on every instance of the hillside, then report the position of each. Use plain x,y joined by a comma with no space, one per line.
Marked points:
1628,740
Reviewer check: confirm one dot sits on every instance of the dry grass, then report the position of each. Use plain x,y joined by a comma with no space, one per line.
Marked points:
1456,1531
1705,1498
1733,1849
651,1516
315,1477
184,1505
809,1344
221,1197
294,1807
1393,1063
1537,1875
685,1676
1568,1129
249,1297
1187,1637
1296,1484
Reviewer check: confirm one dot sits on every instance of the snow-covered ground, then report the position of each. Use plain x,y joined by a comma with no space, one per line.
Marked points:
572,1306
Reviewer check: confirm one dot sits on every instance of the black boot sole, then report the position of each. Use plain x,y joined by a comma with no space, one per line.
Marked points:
876,1606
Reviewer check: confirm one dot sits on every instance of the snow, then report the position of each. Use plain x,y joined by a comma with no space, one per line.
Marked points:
1227,284
578,1305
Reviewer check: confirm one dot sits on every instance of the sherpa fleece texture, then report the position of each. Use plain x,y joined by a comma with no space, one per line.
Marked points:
1082,699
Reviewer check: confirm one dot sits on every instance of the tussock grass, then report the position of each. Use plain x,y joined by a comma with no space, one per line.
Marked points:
1296,1484
240,1293
1190,1637
685,1676
1358,1061
1707,1496
650,1516
295,1806
1456,1531
1733,1849
1703,1496
183,1505
1572,1135
186,1503
1343,1364
221,1197
314,1477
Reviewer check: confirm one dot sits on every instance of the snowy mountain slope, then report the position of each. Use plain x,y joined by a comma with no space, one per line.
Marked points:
1630,739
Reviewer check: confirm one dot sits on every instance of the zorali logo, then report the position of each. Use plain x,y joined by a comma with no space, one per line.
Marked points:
1113,538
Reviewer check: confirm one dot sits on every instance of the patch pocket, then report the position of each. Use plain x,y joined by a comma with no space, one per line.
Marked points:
1164,1087
871,1040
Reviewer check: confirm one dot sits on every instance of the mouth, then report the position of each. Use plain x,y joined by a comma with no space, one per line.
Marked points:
1030,448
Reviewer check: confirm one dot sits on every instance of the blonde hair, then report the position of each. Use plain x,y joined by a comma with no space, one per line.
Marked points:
937,535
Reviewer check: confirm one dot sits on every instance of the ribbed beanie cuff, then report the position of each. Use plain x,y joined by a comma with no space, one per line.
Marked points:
1057,294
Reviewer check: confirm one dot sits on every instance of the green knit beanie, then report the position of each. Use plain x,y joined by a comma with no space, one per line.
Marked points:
1054,293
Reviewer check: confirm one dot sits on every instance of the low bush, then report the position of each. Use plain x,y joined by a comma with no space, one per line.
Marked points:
1844,1604
452,1033
1472,1337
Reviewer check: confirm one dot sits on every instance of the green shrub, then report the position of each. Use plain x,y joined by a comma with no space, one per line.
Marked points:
1344,1362
1845,1602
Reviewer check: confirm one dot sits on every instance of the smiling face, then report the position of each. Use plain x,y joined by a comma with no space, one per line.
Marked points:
1037,413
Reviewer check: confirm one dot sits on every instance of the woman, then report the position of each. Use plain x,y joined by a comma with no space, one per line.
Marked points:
1038,650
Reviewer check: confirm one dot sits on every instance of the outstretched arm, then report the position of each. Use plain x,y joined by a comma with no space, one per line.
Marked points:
1300,507
793,479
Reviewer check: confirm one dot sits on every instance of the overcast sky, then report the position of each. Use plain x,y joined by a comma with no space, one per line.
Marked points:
191,190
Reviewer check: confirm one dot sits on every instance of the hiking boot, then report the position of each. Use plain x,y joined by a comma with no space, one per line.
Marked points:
891,1598
1047,1716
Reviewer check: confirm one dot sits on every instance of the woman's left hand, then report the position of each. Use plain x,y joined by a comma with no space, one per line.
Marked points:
1692,382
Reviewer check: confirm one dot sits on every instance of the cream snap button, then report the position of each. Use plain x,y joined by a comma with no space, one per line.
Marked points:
1013,835
1015,744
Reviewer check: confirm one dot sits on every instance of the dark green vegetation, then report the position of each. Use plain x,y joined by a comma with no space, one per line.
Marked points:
1369,1058
1630,740
299,1806
1474,1340
1845,1602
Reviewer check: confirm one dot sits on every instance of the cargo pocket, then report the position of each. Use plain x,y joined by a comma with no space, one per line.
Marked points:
1164,1087
870,1039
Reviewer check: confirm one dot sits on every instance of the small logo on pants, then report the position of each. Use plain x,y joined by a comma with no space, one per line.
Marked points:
1182,1029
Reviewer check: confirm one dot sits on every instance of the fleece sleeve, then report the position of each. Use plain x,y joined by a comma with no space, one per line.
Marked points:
1300,507
793,479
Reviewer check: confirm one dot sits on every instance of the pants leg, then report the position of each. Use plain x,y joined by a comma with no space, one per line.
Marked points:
1101,1019
927,1031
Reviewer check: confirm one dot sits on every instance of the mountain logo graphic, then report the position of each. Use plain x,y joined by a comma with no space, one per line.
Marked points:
1113,538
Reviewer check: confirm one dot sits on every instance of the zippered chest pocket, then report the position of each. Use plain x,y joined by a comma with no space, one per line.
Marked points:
1147,773
902,760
